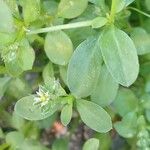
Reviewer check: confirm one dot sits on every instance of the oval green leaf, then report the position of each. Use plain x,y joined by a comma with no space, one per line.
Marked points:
13,68
48,72
63,73
91,144
25,108
66,114
84,68
120,56
26,55
99,22
106,88
6,24
58,47
14,139
94,116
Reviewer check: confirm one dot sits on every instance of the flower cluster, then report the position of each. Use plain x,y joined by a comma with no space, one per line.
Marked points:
48,92
42,96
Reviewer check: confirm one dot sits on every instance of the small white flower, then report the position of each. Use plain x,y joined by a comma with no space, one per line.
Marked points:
42,97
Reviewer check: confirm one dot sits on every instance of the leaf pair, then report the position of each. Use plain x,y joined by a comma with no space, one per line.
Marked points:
84,71
119,54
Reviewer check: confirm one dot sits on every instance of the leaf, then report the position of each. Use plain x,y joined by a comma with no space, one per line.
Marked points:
13,68
63,73
48,72
31,10
121,4
125,102
3,85
91,144
66,114
30,144
106,89
48,122
145,99
147,4
99,22
128,126
81,33
17,122
58,47
71,8
100,3
141,40
12,4
6,38
25,108
84,68
105,141
15,139
6,24
120,56
94,116
18,88
16,55
50,7
26,55
60,144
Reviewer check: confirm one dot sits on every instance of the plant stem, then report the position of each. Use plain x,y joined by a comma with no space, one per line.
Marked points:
139,11
113,11
61,27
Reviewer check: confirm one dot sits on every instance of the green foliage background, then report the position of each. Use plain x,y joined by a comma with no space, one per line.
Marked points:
75,61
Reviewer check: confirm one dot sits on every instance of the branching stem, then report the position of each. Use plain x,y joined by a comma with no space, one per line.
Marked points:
139,11
113,11
61,27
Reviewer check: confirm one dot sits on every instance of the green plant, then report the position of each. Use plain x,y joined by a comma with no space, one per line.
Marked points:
82,58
